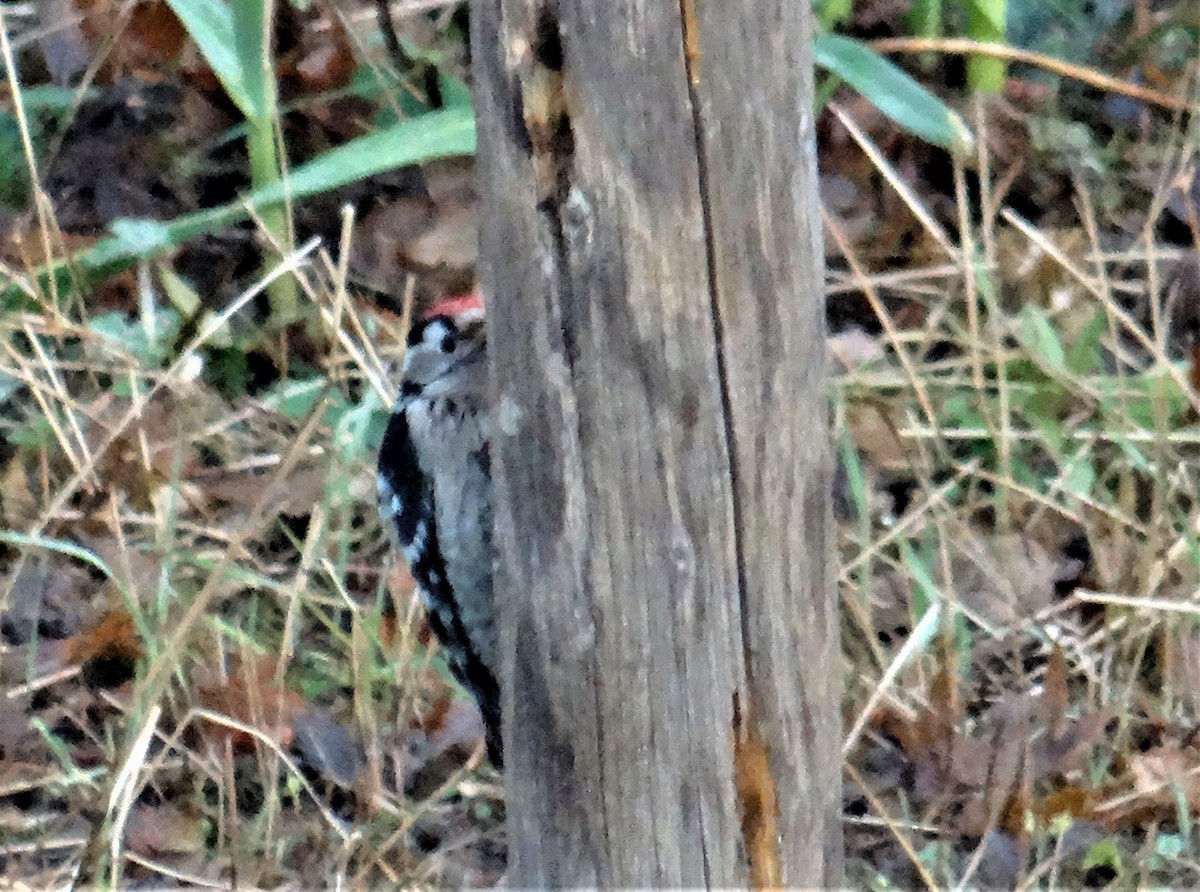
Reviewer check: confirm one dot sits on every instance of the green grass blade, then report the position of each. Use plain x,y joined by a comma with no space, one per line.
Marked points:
986,24
924,17
252,43
210,24
892,91
435,135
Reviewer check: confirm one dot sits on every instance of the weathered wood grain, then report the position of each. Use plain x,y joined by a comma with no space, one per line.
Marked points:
651,261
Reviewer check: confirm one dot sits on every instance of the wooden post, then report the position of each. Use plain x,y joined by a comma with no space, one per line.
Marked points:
651,257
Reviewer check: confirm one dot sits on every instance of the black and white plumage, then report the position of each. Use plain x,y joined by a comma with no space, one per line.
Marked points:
435,493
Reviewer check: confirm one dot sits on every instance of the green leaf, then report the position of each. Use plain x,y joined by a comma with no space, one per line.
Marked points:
229,370
856,480
294,399
1038,336
436,135
1043,415
1167,849
892,91
141,237
987,18
1079,477
924,18
210,23
351,432
1103,854
830,13
1085,356
1169,845
35,432
455,91
133,337
1144,400
59,100
986,23
252,36
1137,459
926,593
960,410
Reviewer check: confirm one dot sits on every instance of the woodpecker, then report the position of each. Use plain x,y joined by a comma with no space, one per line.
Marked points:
435,493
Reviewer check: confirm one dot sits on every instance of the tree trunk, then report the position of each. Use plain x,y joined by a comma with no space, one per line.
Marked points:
651,258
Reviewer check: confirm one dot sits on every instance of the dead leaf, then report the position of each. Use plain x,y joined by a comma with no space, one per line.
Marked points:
162,830
1012,815
402,589
20,504
110,161
137,569
1152,786
1056,694
328,747
432,236
1036,276
1073,801
1003,581
854,348
945,710
1069,748
874,431
330,64
251,697
18,741
442,741
1155,771
145,40
45,598
242,489
1002,860
1182,312
63,47
108,650
147,452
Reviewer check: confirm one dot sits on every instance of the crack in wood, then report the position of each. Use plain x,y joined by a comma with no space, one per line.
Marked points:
612,228
758,802
691,46
540,59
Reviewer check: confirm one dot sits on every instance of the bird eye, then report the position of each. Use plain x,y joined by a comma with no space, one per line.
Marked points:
449,342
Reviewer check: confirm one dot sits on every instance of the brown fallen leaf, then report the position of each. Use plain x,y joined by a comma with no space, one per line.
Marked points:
155,831
441,742
1073,801
1003,581
45,598
326,59
107,650
145,40
250,696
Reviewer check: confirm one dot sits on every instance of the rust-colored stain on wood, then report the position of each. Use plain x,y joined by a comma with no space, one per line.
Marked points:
538,59
548,126
691,39
758,801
